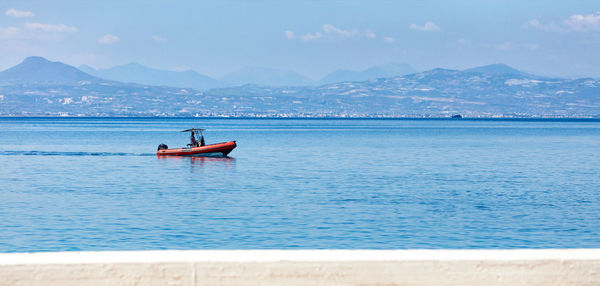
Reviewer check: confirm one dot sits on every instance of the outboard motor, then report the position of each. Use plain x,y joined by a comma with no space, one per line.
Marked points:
162,147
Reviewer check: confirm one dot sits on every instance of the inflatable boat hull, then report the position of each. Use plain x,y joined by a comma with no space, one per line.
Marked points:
219,149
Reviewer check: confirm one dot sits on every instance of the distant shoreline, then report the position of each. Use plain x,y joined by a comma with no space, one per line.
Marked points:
555,119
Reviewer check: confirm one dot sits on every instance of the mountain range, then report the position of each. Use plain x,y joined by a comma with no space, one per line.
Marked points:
41,87
388,70
38,70
137,73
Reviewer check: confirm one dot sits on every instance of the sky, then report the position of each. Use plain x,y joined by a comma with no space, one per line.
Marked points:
312,37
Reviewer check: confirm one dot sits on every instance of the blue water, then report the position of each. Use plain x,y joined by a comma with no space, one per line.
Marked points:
95,184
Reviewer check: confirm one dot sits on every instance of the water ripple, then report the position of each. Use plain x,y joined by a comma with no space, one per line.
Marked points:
62,153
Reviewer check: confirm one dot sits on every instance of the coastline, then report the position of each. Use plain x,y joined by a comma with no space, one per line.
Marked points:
483,118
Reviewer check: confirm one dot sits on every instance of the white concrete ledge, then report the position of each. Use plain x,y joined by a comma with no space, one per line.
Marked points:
304,267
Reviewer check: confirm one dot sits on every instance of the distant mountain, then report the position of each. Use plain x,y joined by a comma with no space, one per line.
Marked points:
496,69
41,87
389,70
87,69
491,91
265,76
488,92
38,70
136,73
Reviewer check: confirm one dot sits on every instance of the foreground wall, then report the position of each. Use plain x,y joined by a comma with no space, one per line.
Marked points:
304,267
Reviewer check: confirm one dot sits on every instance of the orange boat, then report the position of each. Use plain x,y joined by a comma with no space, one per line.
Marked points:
197,147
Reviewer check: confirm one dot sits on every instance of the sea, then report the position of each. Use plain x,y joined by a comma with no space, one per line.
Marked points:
88,184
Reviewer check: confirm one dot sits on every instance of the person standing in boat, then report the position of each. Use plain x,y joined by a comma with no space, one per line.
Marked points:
193,141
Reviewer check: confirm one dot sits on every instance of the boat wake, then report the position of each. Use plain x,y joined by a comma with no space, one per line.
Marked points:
57,153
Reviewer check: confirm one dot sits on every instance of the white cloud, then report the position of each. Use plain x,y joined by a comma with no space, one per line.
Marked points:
330,32
289,35
389,40
109,39
50,27
505,46
575,22
429,26
537,25
8,32
310,37
370,35
330,29
590,22
159,39
18,13
36,31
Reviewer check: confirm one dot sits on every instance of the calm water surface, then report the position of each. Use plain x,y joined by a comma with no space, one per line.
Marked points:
95,184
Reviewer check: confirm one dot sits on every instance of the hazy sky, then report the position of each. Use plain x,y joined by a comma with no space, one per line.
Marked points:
315,37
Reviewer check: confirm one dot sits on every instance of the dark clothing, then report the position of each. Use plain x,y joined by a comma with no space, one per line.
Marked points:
193,141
